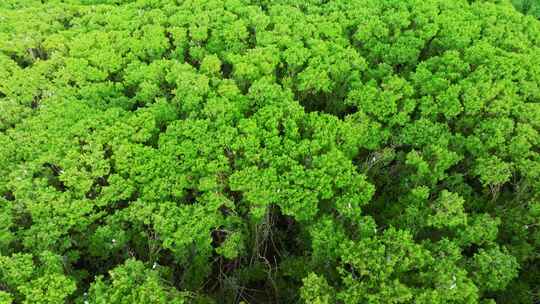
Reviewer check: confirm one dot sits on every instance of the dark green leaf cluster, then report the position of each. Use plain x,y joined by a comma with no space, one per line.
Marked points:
255,151
529,7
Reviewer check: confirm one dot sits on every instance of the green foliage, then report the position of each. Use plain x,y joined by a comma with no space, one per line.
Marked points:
529,7
41,282
316,290
237,151
133,283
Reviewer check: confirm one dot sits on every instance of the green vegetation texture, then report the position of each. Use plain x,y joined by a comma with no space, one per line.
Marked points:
257,151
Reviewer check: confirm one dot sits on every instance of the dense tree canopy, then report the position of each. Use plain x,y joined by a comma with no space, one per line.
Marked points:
256,151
